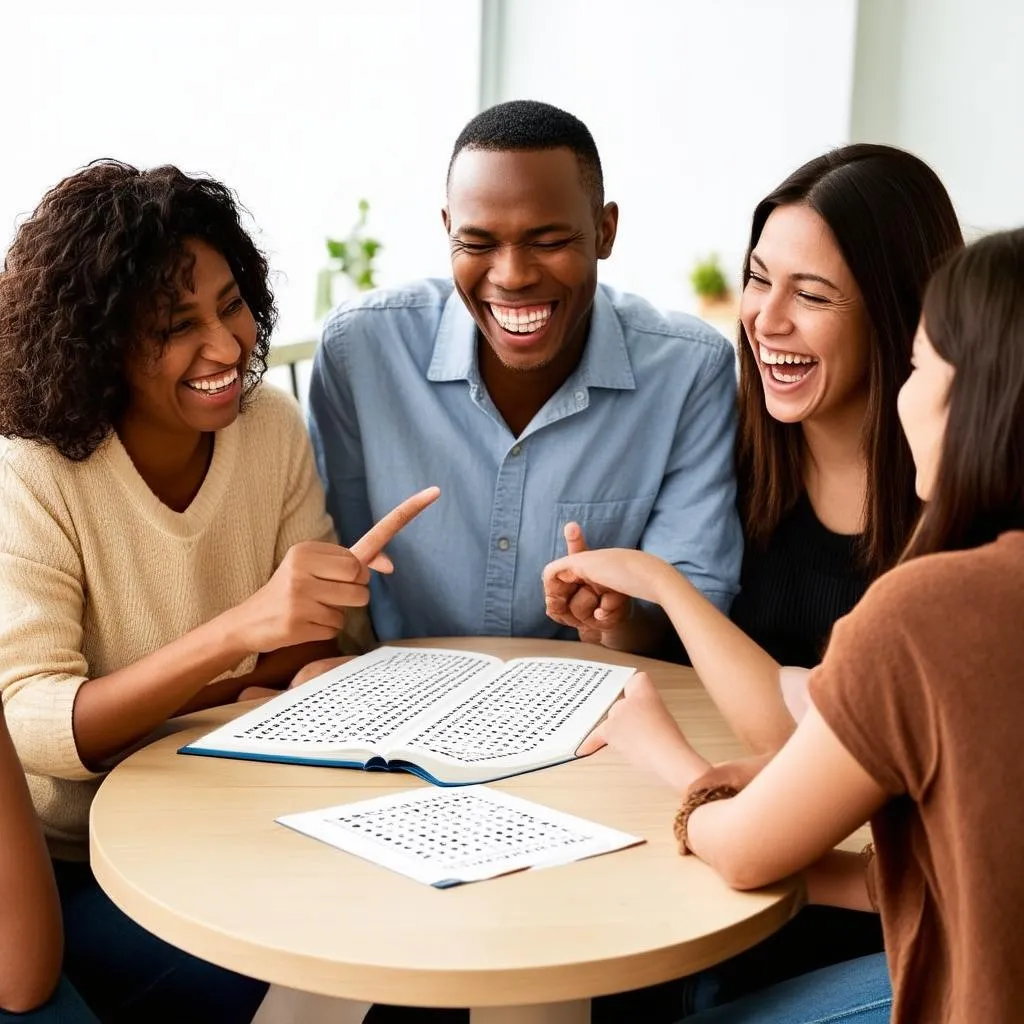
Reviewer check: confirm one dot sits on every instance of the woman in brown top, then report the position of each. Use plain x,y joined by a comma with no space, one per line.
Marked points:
915,712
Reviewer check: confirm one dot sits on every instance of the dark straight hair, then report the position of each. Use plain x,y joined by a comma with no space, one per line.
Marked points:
894,224
974,318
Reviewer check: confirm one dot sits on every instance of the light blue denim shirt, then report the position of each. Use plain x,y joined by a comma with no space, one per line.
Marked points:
636,446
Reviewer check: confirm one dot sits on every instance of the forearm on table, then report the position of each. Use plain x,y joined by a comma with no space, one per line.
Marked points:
741,678
791,817
274,671
114,711
716,834
836,879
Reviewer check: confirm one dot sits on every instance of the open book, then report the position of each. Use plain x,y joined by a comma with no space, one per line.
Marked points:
450,836
451,717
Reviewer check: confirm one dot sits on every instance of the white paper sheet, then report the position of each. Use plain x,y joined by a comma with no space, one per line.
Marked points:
445,837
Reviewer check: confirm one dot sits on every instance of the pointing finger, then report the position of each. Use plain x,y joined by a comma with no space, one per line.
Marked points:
574,541
372,543
381,564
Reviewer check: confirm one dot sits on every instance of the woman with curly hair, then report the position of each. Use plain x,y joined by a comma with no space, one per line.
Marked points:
164,544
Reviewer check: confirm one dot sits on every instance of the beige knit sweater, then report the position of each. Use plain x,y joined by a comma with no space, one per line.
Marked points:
95,573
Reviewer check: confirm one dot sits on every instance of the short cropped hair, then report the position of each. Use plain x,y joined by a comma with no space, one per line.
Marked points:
522,125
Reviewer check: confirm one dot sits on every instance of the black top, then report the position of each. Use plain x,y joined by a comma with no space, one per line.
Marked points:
793,590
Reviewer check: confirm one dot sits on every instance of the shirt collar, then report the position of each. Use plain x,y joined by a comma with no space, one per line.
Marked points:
455,344
605,362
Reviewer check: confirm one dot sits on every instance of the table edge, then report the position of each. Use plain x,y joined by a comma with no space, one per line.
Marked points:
486,987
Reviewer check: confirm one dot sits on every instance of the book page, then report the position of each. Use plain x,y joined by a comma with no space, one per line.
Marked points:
357,705
449,836
535,710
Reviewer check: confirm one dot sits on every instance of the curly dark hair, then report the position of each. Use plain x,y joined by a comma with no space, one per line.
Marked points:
84,281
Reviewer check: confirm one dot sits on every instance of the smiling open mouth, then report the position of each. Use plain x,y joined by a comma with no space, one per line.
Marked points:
786,367
213,385
522,319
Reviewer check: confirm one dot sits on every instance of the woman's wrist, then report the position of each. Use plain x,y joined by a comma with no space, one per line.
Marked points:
230,635
684,766
668,582
694,800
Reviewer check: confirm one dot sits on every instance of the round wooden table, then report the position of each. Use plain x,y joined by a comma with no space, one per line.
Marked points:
188,847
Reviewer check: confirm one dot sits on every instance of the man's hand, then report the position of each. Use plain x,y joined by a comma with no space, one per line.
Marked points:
592,590
640,727
592,610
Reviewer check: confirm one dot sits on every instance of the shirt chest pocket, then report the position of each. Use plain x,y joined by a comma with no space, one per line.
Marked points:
605,524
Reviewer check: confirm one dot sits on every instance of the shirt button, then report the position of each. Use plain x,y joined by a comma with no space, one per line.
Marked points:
516,449
503,544
581,395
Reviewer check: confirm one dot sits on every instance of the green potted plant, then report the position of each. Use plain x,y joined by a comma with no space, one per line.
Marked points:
712,289
350,258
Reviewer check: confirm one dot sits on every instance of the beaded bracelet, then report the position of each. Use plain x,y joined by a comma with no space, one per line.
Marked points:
696,799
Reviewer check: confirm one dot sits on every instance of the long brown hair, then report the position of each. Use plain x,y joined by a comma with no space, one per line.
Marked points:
974,317
894,223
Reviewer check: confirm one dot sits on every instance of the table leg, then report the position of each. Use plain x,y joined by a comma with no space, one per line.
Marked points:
576,1012
288,1006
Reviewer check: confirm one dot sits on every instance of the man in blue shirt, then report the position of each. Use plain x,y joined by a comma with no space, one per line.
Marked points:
547,408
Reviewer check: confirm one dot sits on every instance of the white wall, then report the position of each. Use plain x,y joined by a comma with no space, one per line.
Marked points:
303,107
698,110
944,79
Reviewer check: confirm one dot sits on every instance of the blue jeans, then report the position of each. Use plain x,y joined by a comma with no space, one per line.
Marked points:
817,937
65,1006
854,992
128,976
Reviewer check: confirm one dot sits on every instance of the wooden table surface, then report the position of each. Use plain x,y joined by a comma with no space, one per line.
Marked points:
188,847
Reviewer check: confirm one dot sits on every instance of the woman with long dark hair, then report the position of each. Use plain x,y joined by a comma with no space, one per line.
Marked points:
915,712
838,259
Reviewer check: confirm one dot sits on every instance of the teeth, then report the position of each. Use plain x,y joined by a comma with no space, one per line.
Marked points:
771,358
521,322
788,378
217,384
